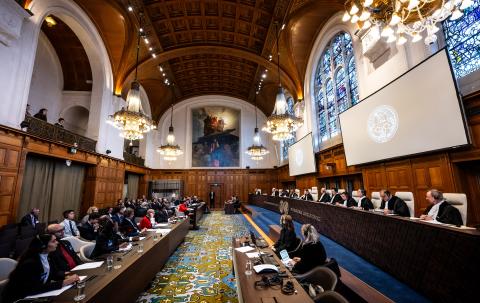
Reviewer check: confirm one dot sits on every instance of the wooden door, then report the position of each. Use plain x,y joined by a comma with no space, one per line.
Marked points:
218,190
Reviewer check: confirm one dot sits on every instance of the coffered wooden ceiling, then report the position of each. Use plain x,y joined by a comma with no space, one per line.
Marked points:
210,46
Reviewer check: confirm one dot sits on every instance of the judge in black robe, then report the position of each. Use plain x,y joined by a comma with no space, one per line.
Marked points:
394,204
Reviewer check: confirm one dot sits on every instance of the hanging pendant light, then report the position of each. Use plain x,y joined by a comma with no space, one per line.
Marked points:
170,151
256,151
131,119
281,124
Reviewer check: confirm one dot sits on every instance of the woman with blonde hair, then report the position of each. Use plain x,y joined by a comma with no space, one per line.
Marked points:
310,253
90,210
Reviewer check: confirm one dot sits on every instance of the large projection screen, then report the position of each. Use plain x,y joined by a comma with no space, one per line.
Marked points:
301,159
416,113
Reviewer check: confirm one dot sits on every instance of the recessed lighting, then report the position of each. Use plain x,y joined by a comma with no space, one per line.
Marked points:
130,8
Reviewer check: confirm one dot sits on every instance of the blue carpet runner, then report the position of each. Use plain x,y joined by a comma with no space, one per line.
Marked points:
200,270
365,271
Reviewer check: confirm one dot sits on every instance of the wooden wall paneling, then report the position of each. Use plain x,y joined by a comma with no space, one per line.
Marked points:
12,162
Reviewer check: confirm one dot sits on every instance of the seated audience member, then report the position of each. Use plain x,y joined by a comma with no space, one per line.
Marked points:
60,122
69,224
307,195
310,253
365,203
392,204
35,273
128,226
31,219
89,230
294,194
148,221
324,196
288,239
440,210
273,192
335,196
347,201
236,204
90,210
42,114
28,111
109,212
258,191
64,257
183,208
108,239
117,216
162,215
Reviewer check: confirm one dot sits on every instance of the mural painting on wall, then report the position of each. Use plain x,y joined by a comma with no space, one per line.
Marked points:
215,137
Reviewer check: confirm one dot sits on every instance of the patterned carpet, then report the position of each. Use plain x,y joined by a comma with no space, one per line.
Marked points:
200,270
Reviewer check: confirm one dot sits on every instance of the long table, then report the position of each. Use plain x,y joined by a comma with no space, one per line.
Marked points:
136,272
246,290
442,262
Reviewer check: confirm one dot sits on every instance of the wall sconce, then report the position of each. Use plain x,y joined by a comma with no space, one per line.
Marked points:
73,149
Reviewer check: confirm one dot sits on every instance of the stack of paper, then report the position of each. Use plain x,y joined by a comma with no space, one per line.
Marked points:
54,293
253,255
244,249
89,265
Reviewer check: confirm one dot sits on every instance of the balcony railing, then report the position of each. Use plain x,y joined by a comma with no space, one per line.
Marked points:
51,132
133,159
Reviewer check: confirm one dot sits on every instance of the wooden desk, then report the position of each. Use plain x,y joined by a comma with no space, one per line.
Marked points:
442,262
246,291
126,283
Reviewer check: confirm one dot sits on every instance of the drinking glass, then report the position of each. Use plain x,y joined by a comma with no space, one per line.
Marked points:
155,237
140,248
80,291
109,262
248,268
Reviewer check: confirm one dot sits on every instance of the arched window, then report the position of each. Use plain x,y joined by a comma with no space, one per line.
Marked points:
462,37
287,143
335,85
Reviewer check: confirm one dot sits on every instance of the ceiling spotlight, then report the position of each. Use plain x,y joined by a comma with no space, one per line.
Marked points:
163,74
146,41
283,27
141,29
154,56
150,48
161,68
130,8
264,76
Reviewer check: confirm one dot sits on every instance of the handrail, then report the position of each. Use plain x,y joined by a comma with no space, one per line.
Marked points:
49,131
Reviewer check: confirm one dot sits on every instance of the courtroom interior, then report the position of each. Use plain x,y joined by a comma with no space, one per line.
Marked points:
239,151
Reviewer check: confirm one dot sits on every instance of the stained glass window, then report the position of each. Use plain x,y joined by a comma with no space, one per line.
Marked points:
287,143
335,85
463,41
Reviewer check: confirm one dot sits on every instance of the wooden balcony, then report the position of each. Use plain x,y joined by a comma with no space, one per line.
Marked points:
133,159
45,130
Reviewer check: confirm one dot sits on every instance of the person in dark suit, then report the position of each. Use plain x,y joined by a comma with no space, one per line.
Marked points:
60,123
335,197
324,196
42,114
364,203
307,195
440,210
294,194
211,196
392,204
31,219
310,253
347,201
117,216
108,239
162,215
89,230
35,273
128,226
64,257
288,239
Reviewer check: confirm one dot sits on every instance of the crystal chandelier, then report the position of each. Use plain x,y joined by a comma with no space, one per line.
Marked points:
170,151
131,119
281,124
399,19
256,151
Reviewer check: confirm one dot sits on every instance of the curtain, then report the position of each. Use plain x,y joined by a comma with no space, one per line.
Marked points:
51,186
132,186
